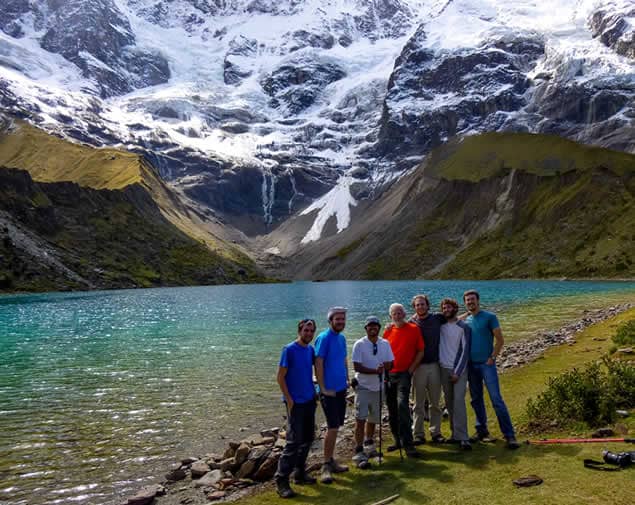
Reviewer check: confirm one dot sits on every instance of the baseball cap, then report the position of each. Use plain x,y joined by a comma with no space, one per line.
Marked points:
335,310
372,320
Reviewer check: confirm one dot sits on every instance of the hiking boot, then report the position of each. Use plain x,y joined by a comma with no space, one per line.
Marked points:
419,440
465,445
438,439
479,436
361,460
326,477
370,449
304,479
283,488
393,448
512,443
411,452
337,468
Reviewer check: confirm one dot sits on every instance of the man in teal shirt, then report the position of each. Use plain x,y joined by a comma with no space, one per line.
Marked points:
487,343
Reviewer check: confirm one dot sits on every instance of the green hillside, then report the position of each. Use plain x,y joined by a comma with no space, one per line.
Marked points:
504,206
75,217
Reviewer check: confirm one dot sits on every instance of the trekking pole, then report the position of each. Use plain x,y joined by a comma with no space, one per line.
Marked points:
381,387
551,441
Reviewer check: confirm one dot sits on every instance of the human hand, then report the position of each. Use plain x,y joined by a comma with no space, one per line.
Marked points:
490,361
380,369
454,378
290,404
328,392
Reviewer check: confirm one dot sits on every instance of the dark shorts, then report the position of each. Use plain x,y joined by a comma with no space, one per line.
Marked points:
334,409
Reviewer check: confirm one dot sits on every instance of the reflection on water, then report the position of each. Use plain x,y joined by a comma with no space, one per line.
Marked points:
99,391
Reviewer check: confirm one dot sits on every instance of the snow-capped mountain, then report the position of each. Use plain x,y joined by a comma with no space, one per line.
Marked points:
260,109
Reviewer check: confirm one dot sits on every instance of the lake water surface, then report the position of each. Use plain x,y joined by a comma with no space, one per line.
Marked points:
100,391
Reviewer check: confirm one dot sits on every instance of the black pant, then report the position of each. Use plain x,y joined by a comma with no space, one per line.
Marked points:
300,433
397,401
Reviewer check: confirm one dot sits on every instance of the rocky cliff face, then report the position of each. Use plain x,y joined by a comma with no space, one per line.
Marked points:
261,109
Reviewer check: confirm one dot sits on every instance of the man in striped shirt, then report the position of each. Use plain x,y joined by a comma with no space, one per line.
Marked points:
454,352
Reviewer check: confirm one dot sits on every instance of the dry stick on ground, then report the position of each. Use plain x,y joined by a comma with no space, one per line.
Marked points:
386,500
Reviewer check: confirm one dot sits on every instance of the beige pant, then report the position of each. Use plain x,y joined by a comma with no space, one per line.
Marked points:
455,402
426,382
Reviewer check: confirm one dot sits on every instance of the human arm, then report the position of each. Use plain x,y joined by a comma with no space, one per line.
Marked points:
359,368
415,362
319,374
282,382
499,341
463,354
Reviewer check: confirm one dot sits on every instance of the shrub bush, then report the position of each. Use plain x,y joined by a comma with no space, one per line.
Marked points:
590,395
625,334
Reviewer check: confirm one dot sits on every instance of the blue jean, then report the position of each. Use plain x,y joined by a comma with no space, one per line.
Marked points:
479,373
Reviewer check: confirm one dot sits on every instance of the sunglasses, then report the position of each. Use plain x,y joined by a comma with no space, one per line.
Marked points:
374,349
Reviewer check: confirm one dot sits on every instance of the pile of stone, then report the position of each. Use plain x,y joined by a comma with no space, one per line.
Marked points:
243,464
525,351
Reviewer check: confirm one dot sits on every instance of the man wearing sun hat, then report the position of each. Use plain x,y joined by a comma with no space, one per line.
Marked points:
331,370
372,355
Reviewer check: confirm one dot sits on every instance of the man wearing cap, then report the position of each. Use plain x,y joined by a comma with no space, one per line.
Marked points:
331,370
371,356
407,346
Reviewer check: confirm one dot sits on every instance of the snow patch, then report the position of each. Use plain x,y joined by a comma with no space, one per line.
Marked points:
338,203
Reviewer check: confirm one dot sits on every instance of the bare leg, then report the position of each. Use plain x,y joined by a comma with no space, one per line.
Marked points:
329,443
370,431
359,432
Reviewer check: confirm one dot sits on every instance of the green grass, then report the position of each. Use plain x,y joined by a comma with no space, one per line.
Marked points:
574,218
51,159
484,476
477,157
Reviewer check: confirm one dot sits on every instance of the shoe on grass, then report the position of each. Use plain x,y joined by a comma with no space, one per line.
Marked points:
419,440
465,445
284,489
302,478
326,476
393,448
438,439
480,436
337,468
411,452
512,443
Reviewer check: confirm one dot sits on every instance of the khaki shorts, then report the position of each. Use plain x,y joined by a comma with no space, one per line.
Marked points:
367,405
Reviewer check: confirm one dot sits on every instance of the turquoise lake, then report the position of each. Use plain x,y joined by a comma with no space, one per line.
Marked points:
101,391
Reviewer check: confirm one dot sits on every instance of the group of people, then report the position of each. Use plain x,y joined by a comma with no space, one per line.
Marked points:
431,352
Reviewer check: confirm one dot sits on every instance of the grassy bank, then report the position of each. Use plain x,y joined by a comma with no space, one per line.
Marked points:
447,476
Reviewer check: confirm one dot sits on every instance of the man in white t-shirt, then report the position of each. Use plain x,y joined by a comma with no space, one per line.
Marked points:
372,356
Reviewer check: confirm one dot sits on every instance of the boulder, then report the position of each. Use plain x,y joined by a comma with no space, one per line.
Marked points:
254,440
241,454
146,495
189,460
199,468
227,464
258,453
271,432
176,475
209,479
268,468
216,495
229,452
247,468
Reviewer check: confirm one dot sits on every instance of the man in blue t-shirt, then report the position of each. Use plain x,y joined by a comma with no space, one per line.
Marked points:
331,370
487,343
295,378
